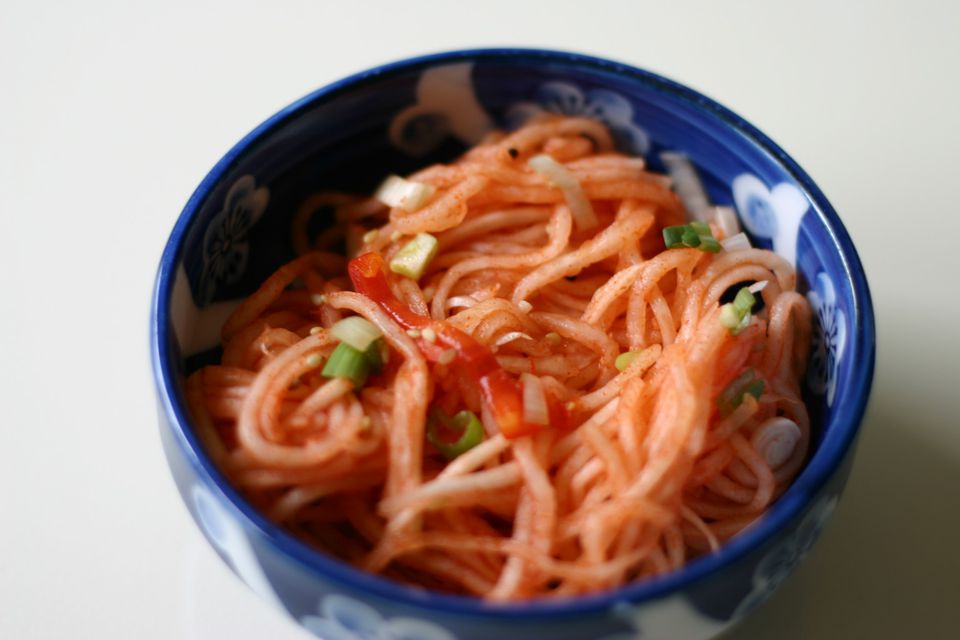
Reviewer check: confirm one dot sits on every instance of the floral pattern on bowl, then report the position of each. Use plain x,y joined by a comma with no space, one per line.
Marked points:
771,213
669,618
828,340
231,542
343,618
568,99
446,105
225,246
780,561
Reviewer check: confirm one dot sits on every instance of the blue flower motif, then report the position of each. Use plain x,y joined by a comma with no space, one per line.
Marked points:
772,214
343,618
230,540
446,106
567,99
780,562
664,619
829,338
225,247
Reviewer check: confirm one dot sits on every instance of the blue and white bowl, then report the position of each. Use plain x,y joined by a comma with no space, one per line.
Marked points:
234,231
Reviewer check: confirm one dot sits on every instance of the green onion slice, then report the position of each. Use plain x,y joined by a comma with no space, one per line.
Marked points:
673,236
709,244
405,194
465,423
696,235
744,301
729,317
736,315
347,362
732,397
412,260
701,228
377,355
356,331
691,238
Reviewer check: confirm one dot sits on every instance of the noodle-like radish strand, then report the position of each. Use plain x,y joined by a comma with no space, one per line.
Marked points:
506,406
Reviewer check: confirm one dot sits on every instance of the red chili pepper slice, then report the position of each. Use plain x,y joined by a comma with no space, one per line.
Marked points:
501,393
368,277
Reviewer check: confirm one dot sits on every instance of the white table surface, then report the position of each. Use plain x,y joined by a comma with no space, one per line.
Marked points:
112,112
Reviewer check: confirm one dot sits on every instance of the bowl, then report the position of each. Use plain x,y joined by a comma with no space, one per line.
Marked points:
395,118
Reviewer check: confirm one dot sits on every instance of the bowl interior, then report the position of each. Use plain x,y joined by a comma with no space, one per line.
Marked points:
235,229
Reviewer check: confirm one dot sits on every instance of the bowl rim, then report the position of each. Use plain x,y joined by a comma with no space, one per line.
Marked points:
817,472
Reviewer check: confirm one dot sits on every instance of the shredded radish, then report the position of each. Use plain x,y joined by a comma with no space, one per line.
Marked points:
738,242
726,219
560,177
687,184
535,409
461,301
356,331
775,440
510,336
613,446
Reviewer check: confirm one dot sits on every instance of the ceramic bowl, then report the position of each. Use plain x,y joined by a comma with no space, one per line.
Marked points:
234,231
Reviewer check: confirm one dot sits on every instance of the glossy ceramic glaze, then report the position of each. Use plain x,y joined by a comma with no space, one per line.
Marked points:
235,230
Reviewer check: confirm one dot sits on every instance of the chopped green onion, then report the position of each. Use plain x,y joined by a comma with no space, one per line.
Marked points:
701,228
729,317
696,235
732,396
691,238
377,354
735,315
624,359
673,236
744,301
405,194
347,362
429,335
465,423
709,244
314,360
553,338
412,260
370,236
356,331
775,440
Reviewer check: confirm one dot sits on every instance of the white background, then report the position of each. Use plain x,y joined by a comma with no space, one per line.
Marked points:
111,113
